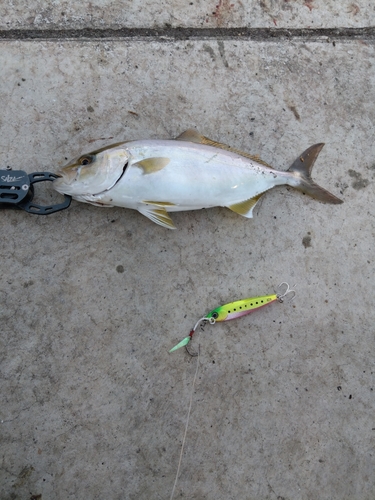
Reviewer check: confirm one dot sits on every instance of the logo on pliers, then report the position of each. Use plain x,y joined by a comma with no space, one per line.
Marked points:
8,178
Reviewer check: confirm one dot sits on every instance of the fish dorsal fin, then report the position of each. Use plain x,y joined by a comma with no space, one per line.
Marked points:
158,214
192,135
246,207
151,165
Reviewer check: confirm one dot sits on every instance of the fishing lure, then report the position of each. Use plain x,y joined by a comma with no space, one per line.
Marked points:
234,310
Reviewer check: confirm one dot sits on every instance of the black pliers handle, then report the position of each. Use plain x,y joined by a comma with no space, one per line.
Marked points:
17,191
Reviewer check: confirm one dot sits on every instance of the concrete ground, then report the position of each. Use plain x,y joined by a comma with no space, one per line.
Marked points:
92,405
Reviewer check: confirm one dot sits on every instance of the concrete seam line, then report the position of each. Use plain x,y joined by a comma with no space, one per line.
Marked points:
169,33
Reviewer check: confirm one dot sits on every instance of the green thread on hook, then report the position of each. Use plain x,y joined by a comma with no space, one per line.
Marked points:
183,343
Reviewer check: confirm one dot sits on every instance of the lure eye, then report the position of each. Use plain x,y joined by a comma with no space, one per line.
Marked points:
86,160
215,315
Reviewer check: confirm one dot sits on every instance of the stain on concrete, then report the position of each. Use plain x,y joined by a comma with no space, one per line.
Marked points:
120,269
353,9
293,109
23,476
207,48
309,5
359,182
222,11
343,186
267,5
222,53
306,240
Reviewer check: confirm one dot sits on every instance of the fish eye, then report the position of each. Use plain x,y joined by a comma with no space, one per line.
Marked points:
86,160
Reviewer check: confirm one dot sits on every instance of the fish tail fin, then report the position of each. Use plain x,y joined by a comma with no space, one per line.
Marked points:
301,180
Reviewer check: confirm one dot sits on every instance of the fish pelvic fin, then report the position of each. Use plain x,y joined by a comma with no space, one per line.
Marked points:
157,214
245,208
301,170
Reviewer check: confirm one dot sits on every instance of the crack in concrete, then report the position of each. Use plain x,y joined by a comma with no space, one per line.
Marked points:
5,421
169,33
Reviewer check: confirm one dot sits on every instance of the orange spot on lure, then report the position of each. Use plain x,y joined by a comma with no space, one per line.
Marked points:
234,310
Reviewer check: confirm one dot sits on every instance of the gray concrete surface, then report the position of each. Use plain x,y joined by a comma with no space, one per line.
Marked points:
219,13
92,405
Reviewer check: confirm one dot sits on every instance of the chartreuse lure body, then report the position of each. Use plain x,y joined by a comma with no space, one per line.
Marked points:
239,308
234,310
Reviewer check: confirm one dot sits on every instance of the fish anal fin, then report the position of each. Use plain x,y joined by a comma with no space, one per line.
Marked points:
246,207
192,135
157,214
152,165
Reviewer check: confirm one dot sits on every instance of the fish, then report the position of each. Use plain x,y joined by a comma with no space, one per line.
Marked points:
191,172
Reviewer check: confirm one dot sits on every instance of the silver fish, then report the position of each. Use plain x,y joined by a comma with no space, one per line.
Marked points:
157,177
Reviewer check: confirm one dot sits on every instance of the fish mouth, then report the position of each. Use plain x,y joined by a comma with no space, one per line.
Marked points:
63,183
67,175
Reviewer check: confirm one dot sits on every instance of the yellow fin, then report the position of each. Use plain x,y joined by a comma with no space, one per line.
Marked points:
246,207
151,165
158,215
192,135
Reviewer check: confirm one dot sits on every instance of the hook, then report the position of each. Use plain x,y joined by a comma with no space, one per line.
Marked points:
203,320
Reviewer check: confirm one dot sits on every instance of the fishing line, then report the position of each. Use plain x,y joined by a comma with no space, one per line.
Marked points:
226,312
187,424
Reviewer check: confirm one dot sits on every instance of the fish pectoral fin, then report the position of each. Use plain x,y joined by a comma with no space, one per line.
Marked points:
192,135
246,207
151,165
157,214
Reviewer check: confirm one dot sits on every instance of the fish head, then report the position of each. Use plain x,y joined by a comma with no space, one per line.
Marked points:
92,173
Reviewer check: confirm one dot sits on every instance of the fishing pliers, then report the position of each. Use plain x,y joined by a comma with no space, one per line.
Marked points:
17,191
